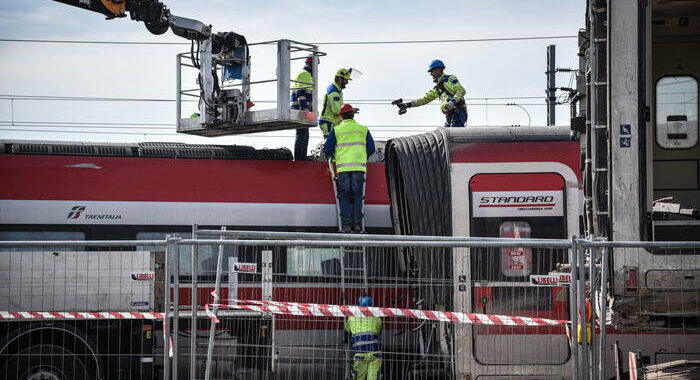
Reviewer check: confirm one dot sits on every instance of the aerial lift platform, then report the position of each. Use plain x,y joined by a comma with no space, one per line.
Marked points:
225,83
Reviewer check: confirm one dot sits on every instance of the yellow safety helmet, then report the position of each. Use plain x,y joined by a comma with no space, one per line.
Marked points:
343,73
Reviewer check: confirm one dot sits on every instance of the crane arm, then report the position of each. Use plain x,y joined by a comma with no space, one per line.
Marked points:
154,14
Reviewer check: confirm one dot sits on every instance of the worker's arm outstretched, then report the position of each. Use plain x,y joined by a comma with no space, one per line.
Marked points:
448,89
427,98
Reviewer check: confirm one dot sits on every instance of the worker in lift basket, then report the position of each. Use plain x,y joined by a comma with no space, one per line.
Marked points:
332,101
450,92
302,99
351,144
365,331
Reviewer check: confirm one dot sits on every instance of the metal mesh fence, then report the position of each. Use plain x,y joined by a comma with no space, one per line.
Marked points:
414,286
646,296
286,307
80,311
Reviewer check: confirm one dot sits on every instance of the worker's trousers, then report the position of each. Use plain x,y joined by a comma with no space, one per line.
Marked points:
456,118
301,144
367,366
350,188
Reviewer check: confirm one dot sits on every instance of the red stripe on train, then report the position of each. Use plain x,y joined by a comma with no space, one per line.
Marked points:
137,179
566,152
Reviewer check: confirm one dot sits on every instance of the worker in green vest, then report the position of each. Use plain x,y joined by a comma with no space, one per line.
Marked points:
450,92
332,101
365,331
351,144
302,99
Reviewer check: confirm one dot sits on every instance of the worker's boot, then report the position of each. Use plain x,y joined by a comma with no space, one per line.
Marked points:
347,229
357,228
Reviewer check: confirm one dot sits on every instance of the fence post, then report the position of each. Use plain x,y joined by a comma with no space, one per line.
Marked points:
581,262
573,305
176,301
166,315
212,325
593,254
266,272
603,311
195,294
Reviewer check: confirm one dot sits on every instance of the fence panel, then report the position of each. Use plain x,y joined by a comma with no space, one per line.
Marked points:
647,296
76,310
449,307
415,287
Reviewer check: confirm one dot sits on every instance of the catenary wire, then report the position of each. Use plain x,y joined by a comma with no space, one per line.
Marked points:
126,99
456,40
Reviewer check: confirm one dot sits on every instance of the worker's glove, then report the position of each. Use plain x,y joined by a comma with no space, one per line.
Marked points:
450,105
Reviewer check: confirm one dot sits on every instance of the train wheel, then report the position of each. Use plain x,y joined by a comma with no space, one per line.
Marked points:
45,362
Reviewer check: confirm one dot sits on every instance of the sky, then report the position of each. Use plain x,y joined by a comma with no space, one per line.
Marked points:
493,72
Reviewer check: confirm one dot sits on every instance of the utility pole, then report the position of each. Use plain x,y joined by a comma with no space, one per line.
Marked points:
551,85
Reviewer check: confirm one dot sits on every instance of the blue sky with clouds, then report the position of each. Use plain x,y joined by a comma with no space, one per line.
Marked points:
486,69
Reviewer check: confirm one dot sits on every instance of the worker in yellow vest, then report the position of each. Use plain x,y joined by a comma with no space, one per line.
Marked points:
302,99
351,144
367,362
332,101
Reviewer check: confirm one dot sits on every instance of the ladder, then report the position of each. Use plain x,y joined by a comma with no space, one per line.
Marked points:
353,263
334,181
353,260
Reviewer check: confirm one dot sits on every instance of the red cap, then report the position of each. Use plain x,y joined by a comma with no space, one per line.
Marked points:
346,108
308,59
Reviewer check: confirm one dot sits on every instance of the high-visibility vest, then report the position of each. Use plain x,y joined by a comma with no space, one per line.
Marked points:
350,147
302,97
365,333
447,88
330,111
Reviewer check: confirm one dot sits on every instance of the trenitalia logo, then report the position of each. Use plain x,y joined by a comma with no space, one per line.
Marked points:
75,212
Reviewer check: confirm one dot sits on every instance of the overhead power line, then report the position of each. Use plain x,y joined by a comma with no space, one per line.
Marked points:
385,42
460,40
126,99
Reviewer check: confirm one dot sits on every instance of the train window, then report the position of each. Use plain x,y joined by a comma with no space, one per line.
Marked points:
677,112
207,253
313,261
41,236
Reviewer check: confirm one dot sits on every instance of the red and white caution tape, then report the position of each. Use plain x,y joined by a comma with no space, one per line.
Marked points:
77,315
322,310
85,316
209,312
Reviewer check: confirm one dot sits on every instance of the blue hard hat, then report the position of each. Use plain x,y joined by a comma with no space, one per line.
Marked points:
366,301
436,63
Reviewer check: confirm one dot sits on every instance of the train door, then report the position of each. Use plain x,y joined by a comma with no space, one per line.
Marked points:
512,200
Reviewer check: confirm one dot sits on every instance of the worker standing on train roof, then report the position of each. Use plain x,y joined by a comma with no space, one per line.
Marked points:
352,144
365,331
450,92
302,99
332,101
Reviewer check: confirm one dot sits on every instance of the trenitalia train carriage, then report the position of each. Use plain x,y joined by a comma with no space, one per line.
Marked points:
490,182
54,191
510,183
